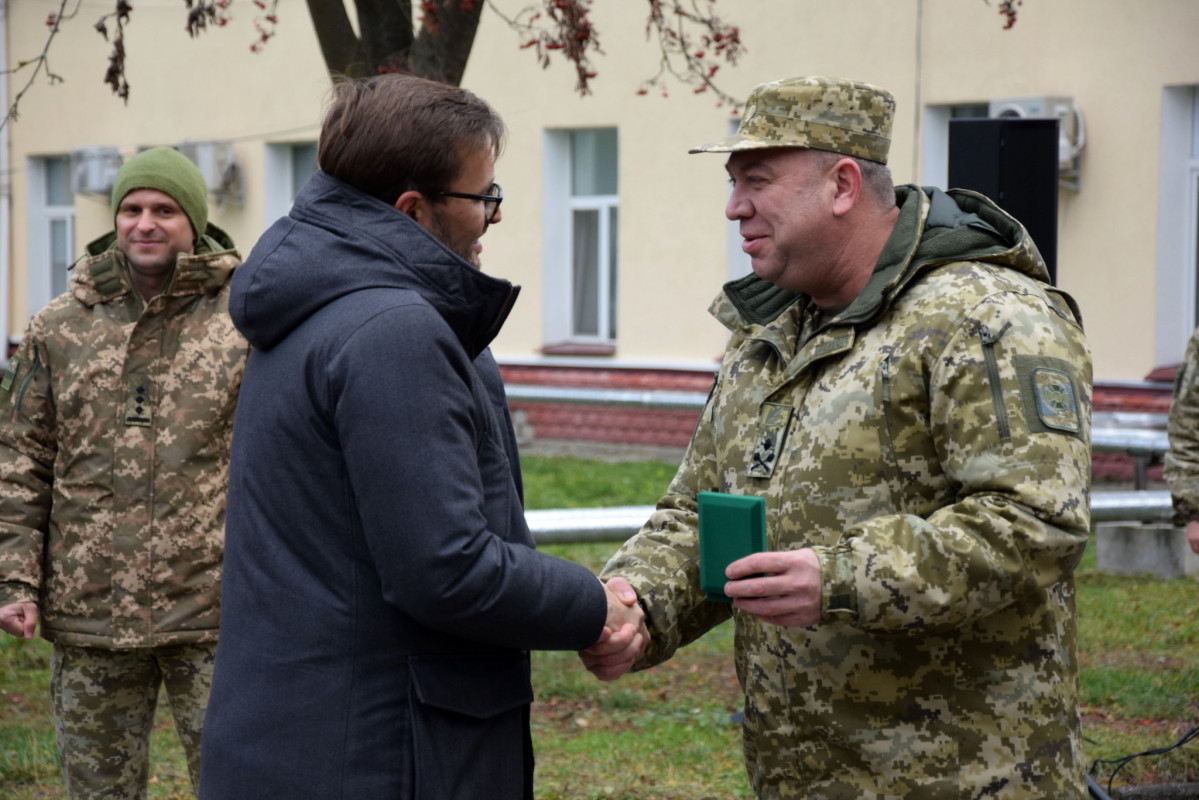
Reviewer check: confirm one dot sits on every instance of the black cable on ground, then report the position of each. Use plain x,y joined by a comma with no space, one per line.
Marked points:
1120,763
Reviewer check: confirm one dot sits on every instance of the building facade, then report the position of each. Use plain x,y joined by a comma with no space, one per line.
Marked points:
615,233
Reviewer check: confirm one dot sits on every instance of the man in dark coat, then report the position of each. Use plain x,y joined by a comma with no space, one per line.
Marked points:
381,589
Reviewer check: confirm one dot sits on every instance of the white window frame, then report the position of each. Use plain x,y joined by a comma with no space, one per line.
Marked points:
1177,223
934,151
558,209
737,263
41,217
280,181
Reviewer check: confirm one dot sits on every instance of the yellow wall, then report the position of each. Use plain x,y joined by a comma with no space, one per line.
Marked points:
1112,57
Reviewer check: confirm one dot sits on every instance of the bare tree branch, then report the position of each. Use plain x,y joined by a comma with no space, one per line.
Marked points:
558,26
693,44
1007,8
42,62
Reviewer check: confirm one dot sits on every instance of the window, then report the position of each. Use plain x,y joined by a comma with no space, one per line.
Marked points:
288,167
580,232
1177,225
51,221
934,161
738,263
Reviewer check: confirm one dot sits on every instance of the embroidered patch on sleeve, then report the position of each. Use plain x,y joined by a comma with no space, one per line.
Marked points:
773,422
1049,395
10,374
1057,404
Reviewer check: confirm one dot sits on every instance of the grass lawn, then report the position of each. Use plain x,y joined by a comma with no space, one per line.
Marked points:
665,734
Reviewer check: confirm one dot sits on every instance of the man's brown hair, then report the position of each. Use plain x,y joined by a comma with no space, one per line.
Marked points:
392,133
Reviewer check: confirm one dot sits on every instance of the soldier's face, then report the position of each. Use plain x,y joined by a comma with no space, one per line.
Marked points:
151,231
459,222
782,199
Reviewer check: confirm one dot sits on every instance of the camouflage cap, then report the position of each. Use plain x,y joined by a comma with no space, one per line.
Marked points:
833,114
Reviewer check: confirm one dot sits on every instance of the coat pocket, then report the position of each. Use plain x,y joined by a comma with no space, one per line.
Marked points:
470,729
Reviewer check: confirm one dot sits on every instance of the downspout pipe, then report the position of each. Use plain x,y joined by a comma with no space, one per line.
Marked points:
5,193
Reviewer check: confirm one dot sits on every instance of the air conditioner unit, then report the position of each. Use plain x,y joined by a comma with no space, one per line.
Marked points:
1071,132
94,169
219,166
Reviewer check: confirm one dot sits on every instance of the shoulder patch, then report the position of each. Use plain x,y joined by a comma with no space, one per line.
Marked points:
10,374
1057,404
1049,394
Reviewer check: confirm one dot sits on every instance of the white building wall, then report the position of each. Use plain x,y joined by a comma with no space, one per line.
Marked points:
1114,58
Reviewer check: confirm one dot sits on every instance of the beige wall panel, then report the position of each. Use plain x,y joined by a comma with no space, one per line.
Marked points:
1112,56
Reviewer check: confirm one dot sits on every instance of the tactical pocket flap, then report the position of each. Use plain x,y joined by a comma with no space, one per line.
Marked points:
476,686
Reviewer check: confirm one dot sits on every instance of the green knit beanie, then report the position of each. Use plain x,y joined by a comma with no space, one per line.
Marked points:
168,171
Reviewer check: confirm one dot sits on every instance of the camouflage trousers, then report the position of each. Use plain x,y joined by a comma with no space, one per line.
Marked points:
104,703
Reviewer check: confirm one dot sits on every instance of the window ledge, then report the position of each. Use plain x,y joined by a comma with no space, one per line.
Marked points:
579,349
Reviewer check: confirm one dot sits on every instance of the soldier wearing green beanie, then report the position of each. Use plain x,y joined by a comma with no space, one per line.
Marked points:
113,475
170,172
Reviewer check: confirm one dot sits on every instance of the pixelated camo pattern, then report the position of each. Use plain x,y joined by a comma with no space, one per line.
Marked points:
948,522
115,424
104,709
1182,461
841,116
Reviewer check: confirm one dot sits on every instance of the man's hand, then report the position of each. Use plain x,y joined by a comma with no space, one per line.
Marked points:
785,589
1193,535
624,638
19,619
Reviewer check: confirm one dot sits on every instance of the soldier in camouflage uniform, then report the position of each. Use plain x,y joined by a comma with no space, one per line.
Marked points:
114,458
912,400
1182,462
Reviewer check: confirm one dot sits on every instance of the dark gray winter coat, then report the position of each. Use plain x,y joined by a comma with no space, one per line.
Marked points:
381,589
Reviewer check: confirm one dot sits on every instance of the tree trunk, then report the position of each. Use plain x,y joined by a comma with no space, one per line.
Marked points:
442,49
386,27
339,44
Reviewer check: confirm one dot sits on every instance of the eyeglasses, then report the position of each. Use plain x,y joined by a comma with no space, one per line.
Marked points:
491,201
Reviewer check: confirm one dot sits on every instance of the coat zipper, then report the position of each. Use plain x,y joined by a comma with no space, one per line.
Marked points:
988,343
890,457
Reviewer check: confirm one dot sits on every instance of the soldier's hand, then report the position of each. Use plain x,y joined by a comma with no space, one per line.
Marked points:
1193,535
779,587
19,619
624,637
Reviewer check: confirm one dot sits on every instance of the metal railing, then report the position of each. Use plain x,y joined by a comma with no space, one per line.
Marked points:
616,524
1139,435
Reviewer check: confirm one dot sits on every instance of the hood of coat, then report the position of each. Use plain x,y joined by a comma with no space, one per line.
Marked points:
102,274
336,241
934,227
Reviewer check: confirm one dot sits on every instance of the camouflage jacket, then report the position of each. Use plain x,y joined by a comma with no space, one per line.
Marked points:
114,453
931,444
1182,462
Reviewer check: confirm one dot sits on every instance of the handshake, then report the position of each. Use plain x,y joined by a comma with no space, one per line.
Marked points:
624,638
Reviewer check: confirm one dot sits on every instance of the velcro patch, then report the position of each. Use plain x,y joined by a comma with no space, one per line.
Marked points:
773,422
1057,403
139,400
1049,395
10,375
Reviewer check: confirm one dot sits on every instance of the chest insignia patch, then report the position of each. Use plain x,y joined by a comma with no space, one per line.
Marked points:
773,422
139,401
1057,405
